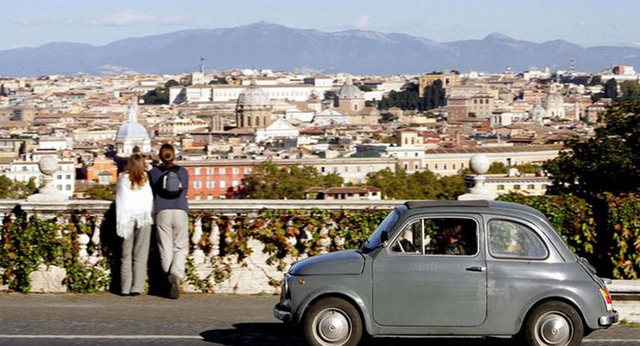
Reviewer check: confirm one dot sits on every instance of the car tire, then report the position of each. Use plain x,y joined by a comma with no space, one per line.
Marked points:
332,322
554,323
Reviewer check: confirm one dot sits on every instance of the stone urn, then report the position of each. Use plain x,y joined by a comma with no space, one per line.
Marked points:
48,165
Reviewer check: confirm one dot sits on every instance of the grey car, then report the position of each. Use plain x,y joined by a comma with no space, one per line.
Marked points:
446,268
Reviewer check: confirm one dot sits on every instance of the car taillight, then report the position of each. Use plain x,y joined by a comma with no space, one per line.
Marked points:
607,298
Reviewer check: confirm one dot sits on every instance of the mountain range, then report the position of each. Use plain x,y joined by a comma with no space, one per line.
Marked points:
271,46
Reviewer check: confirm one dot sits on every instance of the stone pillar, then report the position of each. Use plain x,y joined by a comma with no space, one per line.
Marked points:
198,254
479,164
214,239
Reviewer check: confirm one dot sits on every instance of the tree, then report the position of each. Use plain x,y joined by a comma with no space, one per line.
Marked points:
611,89
607,162
10,189
497,168
159,96
3,91
407,99
170,83
420,185
269,181
102,192
365,88
434,96
630,90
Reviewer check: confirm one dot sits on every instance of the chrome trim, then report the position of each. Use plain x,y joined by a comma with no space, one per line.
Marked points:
607,321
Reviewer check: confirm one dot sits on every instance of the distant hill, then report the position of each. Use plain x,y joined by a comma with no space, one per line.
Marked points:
272,46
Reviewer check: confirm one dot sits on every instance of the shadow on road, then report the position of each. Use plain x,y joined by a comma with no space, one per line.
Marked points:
263,334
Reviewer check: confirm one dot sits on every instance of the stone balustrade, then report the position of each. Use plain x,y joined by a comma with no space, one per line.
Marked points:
251,276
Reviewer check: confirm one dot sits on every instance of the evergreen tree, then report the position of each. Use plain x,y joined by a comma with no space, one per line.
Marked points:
611,89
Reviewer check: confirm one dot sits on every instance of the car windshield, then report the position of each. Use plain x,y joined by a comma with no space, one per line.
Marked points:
386,225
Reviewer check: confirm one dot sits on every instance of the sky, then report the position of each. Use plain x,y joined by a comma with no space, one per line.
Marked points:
585,22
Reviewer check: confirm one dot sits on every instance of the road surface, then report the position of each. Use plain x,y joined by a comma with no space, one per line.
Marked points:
194,319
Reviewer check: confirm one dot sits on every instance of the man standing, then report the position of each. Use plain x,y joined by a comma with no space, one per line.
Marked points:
170,184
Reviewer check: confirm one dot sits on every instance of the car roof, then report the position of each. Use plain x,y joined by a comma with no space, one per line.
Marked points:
490,205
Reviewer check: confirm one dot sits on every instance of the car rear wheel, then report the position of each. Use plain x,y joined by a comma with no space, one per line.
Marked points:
332,322
554,323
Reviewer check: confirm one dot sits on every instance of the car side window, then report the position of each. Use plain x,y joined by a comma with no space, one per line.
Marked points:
410,239
508,239
438,236
450,236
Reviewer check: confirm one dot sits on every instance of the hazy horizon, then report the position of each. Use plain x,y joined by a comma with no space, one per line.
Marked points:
37,22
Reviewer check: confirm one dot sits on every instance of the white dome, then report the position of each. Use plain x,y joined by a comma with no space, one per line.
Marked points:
253,96
132,131
348,91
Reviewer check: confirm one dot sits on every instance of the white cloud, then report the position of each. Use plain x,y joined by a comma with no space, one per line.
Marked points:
39,20
128,18
362,22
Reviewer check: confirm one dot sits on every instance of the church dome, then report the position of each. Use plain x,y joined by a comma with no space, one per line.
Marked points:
348,91
132,131
253,96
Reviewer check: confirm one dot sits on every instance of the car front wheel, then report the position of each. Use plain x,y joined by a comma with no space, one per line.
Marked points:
554,323
332,322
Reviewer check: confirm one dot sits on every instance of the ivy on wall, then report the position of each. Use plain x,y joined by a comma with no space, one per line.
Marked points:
609,236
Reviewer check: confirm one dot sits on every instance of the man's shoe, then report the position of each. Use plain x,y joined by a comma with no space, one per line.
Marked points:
174,292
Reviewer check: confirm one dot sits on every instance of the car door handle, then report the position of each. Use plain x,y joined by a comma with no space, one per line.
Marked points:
475,269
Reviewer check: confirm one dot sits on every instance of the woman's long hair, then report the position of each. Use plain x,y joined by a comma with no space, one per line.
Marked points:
167,155
137,172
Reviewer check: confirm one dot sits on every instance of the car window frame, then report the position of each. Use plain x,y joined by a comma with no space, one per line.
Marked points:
536,231
476,217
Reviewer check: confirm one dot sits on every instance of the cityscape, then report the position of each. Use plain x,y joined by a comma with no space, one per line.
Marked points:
228,124
286,174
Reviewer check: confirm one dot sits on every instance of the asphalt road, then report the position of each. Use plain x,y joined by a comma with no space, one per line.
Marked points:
107,319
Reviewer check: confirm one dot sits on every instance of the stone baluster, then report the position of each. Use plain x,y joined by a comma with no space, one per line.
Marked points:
325,242
214,239
83,240
96,255
198,254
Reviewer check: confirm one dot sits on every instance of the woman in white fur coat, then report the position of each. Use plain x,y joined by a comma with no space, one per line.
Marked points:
134,204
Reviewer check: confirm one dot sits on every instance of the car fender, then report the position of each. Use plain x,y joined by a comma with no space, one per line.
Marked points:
575,298
336,291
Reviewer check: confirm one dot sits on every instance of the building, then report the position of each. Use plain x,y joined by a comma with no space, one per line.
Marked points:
102,171
526,184
554,104
349,193
449,161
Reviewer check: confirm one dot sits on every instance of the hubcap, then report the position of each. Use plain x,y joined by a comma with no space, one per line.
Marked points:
554,328
332,327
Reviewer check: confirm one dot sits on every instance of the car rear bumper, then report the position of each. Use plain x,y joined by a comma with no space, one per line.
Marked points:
281,313
607,321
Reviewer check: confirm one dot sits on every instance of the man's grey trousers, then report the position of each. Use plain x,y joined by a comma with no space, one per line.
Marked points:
135,254
173,240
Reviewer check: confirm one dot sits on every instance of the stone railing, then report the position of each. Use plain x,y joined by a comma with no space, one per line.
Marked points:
251,276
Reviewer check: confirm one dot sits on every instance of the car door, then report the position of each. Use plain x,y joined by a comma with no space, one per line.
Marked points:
433,285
